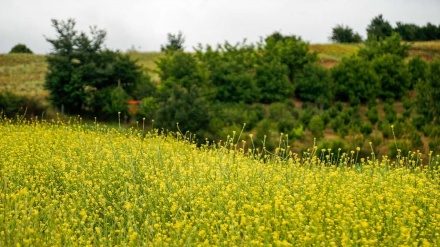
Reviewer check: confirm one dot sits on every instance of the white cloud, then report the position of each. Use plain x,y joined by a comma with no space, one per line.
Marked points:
145,23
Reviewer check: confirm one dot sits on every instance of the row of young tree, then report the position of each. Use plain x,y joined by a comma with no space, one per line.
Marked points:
379,28
212,88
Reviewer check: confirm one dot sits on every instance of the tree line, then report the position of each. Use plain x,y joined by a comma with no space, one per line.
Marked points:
214,90
379,28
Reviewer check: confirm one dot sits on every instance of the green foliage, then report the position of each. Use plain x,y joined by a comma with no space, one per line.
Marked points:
390,113
175,42
344,34
337,147
231,70
307,113
416,140
379,28
385,127
412,32
408,32
267,134
148,108
393,76
366,129
20,48
12,105
186,109
180,68
372,114
144,88
401,148
238,114
82,74
115,102
314,84
273,81
355,79
389,45
417,69
316,126
428,94
291,51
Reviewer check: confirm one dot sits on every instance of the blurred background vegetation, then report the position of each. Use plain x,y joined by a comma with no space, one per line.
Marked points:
382,90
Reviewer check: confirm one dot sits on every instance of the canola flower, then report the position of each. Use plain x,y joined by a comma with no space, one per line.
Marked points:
67,184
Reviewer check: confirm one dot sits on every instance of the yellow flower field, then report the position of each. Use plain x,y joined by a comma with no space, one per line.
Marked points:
69,184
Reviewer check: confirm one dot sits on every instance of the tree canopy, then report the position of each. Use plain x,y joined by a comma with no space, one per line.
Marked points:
20,48
83,75
344,34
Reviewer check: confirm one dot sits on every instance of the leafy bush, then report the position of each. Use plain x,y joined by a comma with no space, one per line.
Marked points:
372,114
175,42
379,28
231,70
116,102
273,82
291,51
390,113
403,146
267,134
385,127
148,108
391,45
337,147
316,126
344,34
185,109
428,94
366,129
393,76
314,84
355,78
12,105
417,69
238,114
416,140
20,48
307,113
82,74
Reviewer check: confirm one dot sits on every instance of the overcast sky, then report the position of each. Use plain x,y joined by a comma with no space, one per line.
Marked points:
145,24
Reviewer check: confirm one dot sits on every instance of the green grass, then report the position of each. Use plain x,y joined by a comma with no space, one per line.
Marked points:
23,74
331,54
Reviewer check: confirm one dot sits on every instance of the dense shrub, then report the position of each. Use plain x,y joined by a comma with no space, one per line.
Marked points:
379,28
316,126
291,50
355,79
366,129
390,113
273,81
231,70
20,48
82,73
372,114
344,34
428,94
314,84
12,105
185,109
417,69
393,76
391,45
